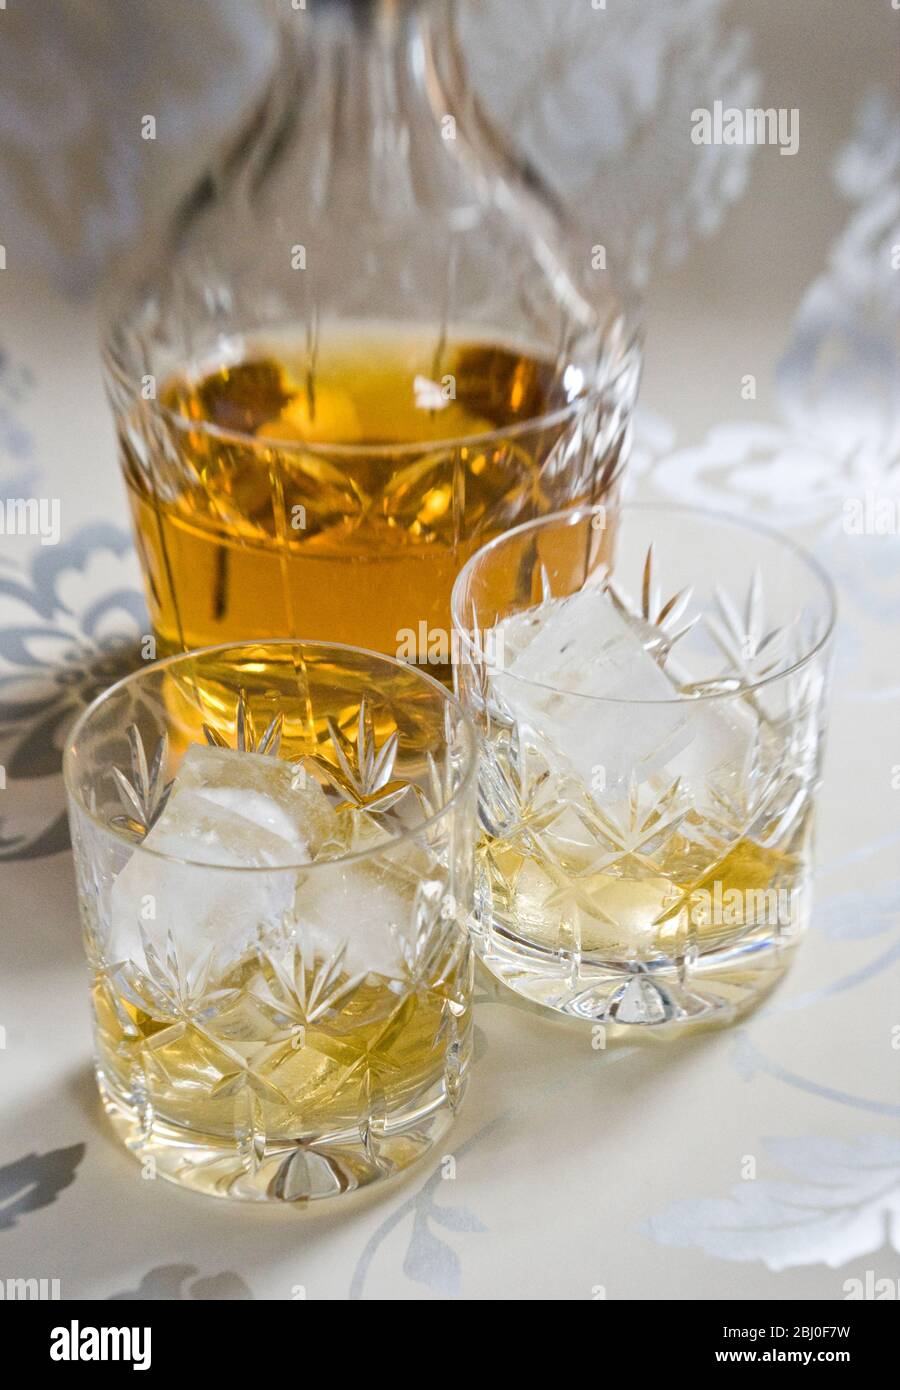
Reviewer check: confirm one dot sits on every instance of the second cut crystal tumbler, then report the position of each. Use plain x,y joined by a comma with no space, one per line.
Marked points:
650,686
273,846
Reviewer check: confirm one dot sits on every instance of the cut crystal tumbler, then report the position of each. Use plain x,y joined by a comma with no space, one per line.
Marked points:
273,845
650,688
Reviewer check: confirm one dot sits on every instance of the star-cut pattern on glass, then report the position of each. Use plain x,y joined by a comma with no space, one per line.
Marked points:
188,1000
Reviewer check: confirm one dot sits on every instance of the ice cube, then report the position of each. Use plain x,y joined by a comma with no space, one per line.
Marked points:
226,810
271,793
367,906
583,648
590,698
227,828
230,810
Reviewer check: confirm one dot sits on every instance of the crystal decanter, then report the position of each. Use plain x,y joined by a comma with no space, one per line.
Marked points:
364,348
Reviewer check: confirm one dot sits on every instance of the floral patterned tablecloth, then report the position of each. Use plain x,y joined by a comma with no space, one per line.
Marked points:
761,1162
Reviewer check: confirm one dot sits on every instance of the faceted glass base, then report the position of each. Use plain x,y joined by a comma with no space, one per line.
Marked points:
311,1168
634,1000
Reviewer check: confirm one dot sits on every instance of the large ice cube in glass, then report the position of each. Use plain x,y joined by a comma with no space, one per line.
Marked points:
265,791
227,810
367,906
593,701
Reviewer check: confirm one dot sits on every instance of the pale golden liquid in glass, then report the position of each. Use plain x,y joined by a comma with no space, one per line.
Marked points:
658,906
579,898
250,535
352,1052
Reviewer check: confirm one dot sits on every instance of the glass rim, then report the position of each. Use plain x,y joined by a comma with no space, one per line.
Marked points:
404,449
134,677
708,514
